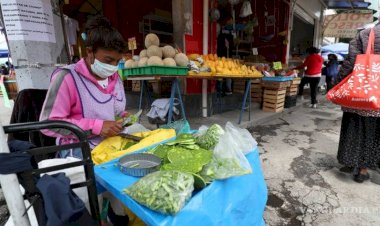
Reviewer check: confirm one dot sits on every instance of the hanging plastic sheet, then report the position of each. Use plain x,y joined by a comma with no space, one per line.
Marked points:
234,201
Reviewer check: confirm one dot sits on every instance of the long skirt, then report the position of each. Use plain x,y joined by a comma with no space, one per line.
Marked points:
359,144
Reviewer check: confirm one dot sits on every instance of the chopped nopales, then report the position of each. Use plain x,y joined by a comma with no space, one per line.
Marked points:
163,191
210,138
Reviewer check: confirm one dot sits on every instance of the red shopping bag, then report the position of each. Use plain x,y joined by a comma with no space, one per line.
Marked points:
360,89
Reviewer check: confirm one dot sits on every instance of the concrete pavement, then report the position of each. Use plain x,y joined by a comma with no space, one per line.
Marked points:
298,152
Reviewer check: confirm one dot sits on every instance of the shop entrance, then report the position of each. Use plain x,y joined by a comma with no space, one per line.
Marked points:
302,36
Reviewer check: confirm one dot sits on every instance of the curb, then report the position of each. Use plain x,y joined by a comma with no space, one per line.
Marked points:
272,117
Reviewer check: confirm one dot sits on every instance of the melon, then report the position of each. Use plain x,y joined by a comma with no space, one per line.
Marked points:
129,63
135,64
181,59
151,39
154,51
143,61
168,52
169,62
143,53
155,60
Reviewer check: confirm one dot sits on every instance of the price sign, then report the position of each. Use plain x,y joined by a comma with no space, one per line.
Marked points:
277,65
132,43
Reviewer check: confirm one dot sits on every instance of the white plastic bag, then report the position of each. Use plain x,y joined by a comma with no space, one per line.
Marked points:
242,138
229,159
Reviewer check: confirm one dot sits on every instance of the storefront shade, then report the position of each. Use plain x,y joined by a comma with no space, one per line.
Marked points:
4,53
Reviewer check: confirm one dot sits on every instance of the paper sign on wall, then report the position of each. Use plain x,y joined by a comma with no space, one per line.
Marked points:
28,20
132,45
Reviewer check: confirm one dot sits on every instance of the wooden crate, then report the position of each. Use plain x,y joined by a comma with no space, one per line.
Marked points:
296,81
292,90
273,100
271,109
275,85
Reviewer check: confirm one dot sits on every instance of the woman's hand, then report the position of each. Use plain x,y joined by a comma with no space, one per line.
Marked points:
111,128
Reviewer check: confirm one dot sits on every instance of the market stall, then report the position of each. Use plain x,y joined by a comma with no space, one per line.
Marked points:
199,192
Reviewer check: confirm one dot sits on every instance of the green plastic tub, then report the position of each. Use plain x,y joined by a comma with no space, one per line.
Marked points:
154,70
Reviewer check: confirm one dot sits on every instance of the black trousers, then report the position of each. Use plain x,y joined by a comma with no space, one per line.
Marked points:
313,81
329,82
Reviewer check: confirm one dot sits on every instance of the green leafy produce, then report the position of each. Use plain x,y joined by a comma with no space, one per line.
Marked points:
202,155
211,137
179,154
164,191
188,166
199,182
162,152
222,168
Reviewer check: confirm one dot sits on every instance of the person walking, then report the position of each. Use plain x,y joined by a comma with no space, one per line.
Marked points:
331,70
313,64
359,143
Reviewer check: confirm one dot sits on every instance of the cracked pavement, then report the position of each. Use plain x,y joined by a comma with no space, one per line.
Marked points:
298,153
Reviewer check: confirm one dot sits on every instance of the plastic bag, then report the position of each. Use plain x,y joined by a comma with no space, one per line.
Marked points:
242,138
163,191
180,126
207,139
228,158
135,128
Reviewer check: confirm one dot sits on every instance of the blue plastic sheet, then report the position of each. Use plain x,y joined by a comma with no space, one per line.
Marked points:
234,201
277,79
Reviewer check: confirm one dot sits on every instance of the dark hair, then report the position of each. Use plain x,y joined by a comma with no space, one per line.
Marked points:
332,56
100,34
312,50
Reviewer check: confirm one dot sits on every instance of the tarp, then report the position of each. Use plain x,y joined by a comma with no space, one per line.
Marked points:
234,201
340,48
4,53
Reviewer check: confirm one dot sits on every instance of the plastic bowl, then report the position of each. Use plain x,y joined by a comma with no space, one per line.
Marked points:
139,164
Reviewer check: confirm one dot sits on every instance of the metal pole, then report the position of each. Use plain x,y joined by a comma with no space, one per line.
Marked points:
205,51
11,190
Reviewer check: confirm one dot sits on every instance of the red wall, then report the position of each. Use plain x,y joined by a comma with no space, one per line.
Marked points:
125,15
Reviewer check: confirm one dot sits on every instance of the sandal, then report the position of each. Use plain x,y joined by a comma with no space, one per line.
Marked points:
360,178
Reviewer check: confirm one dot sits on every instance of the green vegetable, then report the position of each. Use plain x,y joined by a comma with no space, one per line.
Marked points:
188,166
199,182
129,144
209,140
179,154
163,191
221,168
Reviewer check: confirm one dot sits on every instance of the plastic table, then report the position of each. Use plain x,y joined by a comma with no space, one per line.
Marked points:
234,201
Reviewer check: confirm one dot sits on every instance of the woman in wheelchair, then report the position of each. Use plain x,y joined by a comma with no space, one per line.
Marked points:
90,93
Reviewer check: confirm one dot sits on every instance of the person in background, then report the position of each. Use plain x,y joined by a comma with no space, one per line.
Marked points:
331,70
359,142
90,93
4,70
313,64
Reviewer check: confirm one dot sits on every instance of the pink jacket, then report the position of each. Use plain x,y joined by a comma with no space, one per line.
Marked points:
63,102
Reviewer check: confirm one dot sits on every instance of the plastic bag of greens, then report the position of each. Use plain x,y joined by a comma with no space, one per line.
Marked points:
228,158
242,138
207,138
163,191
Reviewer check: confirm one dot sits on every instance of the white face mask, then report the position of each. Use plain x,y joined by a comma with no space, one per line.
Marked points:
103,70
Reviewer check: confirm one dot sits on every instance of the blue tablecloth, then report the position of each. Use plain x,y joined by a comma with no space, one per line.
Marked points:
234,201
